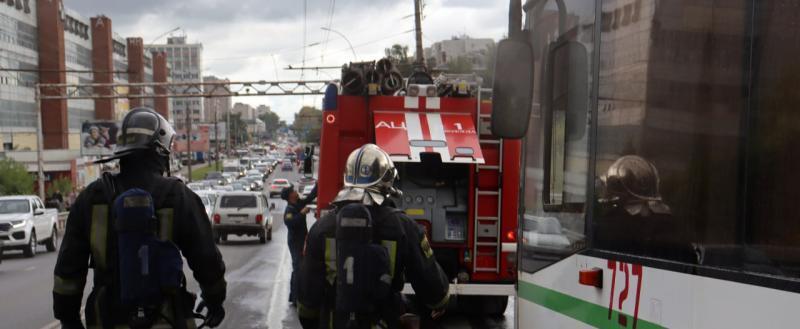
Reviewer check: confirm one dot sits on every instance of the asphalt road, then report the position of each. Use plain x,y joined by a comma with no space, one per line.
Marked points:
257,276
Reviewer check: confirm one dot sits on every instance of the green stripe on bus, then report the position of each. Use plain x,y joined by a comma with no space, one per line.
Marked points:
578,309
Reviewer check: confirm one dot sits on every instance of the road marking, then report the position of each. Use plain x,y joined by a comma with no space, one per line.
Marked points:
279,300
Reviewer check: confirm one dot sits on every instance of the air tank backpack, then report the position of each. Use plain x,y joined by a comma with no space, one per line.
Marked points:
149,269
363,280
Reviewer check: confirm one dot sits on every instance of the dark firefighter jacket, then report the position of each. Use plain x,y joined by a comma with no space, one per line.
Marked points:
411,257
295,221
90,241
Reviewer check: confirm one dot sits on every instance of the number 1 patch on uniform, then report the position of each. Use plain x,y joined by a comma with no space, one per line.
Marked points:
426,247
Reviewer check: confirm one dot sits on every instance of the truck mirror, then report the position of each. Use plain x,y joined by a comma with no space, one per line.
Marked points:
512,90
308,162
38,211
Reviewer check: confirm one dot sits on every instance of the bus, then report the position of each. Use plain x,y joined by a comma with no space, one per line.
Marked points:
660,161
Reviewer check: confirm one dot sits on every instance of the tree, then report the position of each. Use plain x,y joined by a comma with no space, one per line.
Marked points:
14,178
63,185
272,122
460,65
238,129
307,124
398,54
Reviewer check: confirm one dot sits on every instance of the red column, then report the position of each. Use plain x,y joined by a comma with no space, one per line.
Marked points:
160,76
103,65
135,68
52,66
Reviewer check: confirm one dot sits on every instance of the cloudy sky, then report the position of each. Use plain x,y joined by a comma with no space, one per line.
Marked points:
249,39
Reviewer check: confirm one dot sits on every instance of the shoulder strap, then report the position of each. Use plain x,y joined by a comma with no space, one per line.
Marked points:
110,188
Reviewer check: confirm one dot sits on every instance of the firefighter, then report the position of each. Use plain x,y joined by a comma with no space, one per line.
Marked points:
294,217
347,283
90,239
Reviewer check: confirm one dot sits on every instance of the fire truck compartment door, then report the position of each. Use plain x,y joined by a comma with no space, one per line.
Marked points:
405,135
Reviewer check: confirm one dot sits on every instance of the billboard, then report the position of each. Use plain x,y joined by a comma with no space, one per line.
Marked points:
200,140
98,138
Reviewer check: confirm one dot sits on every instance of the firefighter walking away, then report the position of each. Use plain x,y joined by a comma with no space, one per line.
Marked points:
131,229
358,256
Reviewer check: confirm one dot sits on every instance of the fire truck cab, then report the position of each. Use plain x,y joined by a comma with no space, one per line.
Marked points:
459,182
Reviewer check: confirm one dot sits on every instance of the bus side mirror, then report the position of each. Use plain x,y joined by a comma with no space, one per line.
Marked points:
565,95
512,90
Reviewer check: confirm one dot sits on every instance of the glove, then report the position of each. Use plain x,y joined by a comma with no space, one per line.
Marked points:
74,324
214,316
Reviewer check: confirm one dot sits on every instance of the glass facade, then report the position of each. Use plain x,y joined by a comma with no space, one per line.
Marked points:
19,42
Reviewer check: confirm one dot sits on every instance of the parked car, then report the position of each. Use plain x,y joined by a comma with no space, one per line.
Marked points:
25,224
242,213
277,186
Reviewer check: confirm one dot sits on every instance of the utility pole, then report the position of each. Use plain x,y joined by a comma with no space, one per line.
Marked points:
39,144
216,132
189,143
418,25
228,132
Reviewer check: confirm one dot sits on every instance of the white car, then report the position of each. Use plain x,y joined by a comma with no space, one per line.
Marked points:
277,186
242,213
25,223
208,200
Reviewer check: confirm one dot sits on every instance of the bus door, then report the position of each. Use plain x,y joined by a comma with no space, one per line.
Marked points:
556,154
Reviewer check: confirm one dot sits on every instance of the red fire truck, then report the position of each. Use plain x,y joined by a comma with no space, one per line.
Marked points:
459,181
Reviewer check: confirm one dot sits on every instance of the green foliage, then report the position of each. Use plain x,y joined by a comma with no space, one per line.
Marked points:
272,123
63,185
14,178
238,129
307,124
460,65
398,54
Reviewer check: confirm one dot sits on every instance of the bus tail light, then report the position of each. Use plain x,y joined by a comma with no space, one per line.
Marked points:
591,277
217,218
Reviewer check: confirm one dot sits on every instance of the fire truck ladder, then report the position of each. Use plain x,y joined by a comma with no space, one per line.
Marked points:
487,227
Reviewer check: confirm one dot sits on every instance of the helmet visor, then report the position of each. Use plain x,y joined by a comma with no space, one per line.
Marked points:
133,137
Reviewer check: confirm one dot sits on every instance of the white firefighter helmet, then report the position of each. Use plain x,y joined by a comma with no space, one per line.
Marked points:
369,176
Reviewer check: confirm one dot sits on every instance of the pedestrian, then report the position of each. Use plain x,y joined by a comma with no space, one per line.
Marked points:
358,256
94,237
294,217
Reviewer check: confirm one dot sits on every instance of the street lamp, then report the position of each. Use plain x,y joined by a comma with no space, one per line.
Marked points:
345,39
163,34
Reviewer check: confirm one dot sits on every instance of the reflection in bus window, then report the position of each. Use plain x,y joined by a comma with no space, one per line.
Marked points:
549,235
690,90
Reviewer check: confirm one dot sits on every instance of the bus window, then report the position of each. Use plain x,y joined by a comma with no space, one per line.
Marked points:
556,145
706,117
